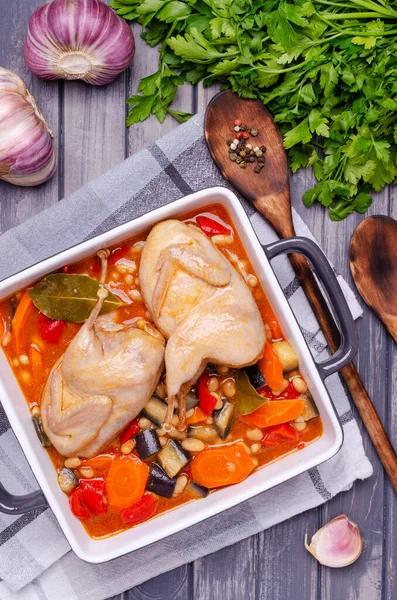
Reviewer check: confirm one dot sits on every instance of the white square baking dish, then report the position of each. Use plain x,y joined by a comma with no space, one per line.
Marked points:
15,406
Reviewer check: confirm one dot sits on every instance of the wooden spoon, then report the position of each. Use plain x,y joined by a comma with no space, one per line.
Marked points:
372,255
269,192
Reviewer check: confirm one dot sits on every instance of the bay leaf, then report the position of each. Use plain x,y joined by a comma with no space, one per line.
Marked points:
247,399
70,297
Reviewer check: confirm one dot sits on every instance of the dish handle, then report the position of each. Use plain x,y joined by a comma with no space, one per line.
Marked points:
339,307
17,505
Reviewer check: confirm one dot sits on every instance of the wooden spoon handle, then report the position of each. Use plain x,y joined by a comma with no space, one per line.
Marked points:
349,373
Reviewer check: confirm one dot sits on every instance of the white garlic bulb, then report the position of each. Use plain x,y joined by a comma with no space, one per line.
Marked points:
27,154
78,39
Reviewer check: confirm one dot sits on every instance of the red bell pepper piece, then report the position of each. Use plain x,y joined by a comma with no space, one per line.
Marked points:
141,510
274,435
289,393
49,330
206,400
76,504
129,433
92,492
211,227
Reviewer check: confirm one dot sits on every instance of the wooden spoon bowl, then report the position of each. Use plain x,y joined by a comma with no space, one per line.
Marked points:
268,190
372,255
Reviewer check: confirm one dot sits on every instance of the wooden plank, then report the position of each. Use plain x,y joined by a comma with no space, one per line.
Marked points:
229,573
364,503
390,521
94,131
20,203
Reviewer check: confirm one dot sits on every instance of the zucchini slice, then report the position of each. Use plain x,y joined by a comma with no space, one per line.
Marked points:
255,376
197,490
205,433
41,434
155,410
159,482
173,458
191,401
223,419
147,443
310,411
67,480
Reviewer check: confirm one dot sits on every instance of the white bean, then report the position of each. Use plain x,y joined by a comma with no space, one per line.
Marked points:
299,384
86,472
254,435
73,462
180,485
299,426
127,447
213,384
252,281
255,448
193,445
176,434
229,388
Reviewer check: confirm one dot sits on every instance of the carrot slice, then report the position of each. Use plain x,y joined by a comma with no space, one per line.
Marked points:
222,465
276,413
19,320
271,367
126,481
102,461
197,416
36,362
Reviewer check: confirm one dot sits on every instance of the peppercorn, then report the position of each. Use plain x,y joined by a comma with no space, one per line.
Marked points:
239,160
233,156
259,153
263,148
261,160
254,132
245,135
243,164
252,158
243,154
238,122
229,142
257,169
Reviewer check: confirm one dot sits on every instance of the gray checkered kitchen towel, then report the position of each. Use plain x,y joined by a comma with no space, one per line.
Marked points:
36,562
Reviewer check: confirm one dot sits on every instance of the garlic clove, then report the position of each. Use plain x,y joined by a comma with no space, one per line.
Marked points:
337,544
78,39
27,154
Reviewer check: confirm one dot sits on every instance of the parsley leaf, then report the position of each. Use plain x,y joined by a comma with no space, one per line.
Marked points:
326,71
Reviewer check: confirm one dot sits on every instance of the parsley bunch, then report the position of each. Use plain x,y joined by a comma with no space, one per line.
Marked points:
326,69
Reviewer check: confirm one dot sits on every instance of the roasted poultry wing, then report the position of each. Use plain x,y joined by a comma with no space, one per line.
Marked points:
200,304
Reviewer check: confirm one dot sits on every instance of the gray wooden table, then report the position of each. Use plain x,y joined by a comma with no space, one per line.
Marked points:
90,134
